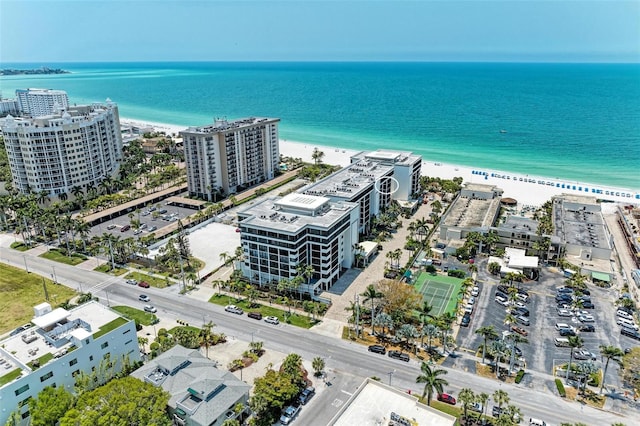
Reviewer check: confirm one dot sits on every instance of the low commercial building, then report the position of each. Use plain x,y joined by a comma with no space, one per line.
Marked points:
281,235
201,395
58,346
522,232
375,404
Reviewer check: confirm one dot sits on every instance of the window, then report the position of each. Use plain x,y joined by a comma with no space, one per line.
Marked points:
128,330
26,414
73,362
24,402
22,390
46,376
128,341
75,373
90,357
104,345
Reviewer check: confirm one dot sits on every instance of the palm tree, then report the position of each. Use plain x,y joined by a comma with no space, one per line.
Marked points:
501,397
483,398
498,350
610,353
431,381
206,336
575,342
425,314
487,332
371,294
317,155
466,397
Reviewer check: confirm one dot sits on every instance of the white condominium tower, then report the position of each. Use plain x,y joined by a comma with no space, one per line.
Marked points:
54,153
228,156
39,102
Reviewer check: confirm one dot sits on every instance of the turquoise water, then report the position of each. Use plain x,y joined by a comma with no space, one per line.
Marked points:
577,122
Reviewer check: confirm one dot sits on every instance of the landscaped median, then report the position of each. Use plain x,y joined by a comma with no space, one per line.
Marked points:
59,255
153,281
292,318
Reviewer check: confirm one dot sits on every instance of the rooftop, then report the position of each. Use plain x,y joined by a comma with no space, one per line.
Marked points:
472,212
222,125
580,224
388,157
377,404
51,335
349,182
294,212
196,386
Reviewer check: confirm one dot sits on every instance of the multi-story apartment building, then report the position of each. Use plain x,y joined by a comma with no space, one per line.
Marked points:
522,232
54,153
406,170
61,344
229,156
281,235
39,102
200,394
8,106
372,180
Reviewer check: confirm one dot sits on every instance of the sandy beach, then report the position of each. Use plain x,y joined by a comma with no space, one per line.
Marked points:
526,189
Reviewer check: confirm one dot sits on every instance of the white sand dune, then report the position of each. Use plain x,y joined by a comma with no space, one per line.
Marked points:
526,189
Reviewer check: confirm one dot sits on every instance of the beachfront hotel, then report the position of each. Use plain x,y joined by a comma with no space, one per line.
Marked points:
280,235
60,345
40,102
227,157
369,182
80,146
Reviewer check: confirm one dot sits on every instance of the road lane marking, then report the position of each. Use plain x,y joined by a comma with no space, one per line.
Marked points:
344,391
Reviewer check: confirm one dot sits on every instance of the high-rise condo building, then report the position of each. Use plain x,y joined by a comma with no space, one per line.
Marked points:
39,102
298,235
226,157
78,147
60,345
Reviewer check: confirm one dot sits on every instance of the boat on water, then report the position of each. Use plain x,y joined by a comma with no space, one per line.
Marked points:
503,131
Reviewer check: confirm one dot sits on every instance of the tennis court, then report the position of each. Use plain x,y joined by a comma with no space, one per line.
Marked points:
439,291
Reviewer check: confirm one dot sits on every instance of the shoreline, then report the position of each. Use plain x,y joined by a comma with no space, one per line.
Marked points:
515,185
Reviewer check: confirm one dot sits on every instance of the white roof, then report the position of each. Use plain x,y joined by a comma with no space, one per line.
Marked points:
51,318
518,259
302,201
368,247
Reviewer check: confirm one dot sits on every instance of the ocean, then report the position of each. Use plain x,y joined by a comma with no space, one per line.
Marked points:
577,122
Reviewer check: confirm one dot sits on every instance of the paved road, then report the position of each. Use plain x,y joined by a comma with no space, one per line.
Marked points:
347,363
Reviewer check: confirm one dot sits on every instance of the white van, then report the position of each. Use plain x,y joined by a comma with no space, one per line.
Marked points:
624,314
626,323
561,342
561,325
536,422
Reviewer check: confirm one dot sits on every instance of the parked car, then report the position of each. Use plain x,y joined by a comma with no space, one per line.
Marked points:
567,332
137,232
306,395
125,228
272,320
584,354
399,355
234,309
144,298
586,318
588,305
475,291
149,308
111,226
521,331
502,301
379,349
521,311
466,320
587,328
445,397
564,313
132,282
630,332
152,228
143,284
289,414
523,320
255,315
476,406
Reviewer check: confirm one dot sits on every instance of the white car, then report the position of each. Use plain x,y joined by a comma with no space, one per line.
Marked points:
564,313
149,308
468,308
472,300
476,291
234,309
586,318
272,320
131,282
502,301
584,354
144,298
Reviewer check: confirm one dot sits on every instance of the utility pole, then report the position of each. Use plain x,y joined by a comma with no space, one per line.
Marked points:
390,373
26,268
357,315
55,278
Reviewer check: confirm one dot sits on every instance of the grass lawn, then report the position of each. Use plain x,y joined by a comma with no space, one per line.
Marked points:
187,327
109,326
266,311
155,282
21,292
56,256
106,268
20,246
144,318
10,376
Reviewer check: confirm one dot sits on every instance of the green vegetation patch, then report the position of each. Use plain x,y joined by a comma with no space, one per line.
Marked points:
560,387
106,268
10,376
154,281
267,311
109,326
41,361
20,246
141,317
184,327
57,256
21,292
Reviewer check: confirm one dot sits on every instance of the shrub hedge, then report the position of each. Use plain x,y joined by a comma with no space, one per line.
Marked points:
560,387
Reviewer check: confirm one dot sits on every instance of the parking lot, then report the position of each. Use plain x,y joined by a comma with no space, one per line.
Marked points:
541,352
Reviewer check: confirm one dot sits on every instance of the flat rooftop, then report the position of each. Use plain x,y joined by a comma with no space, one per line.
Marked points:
377,404
580,226
351,181
472,213
388,156
222,125
19,350
294,212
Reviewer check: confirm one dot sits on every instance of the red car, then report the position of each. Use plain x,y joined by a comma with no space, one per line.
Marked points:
445,397
143,284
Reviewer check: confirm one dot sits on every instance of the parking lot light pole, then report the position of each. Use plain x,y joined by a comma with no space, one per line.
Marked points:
390,373
26,268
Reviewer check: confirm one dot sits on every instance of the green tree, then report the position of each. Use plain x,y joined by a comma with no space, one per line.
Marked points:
271,393
501,397
466,397
487,332
575,342
432,381
50,405
611,353
292,366
371,294
318,366
125,401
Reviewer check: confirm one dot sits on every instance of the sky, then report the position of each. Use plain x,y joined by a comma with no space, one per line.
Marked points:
328,30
